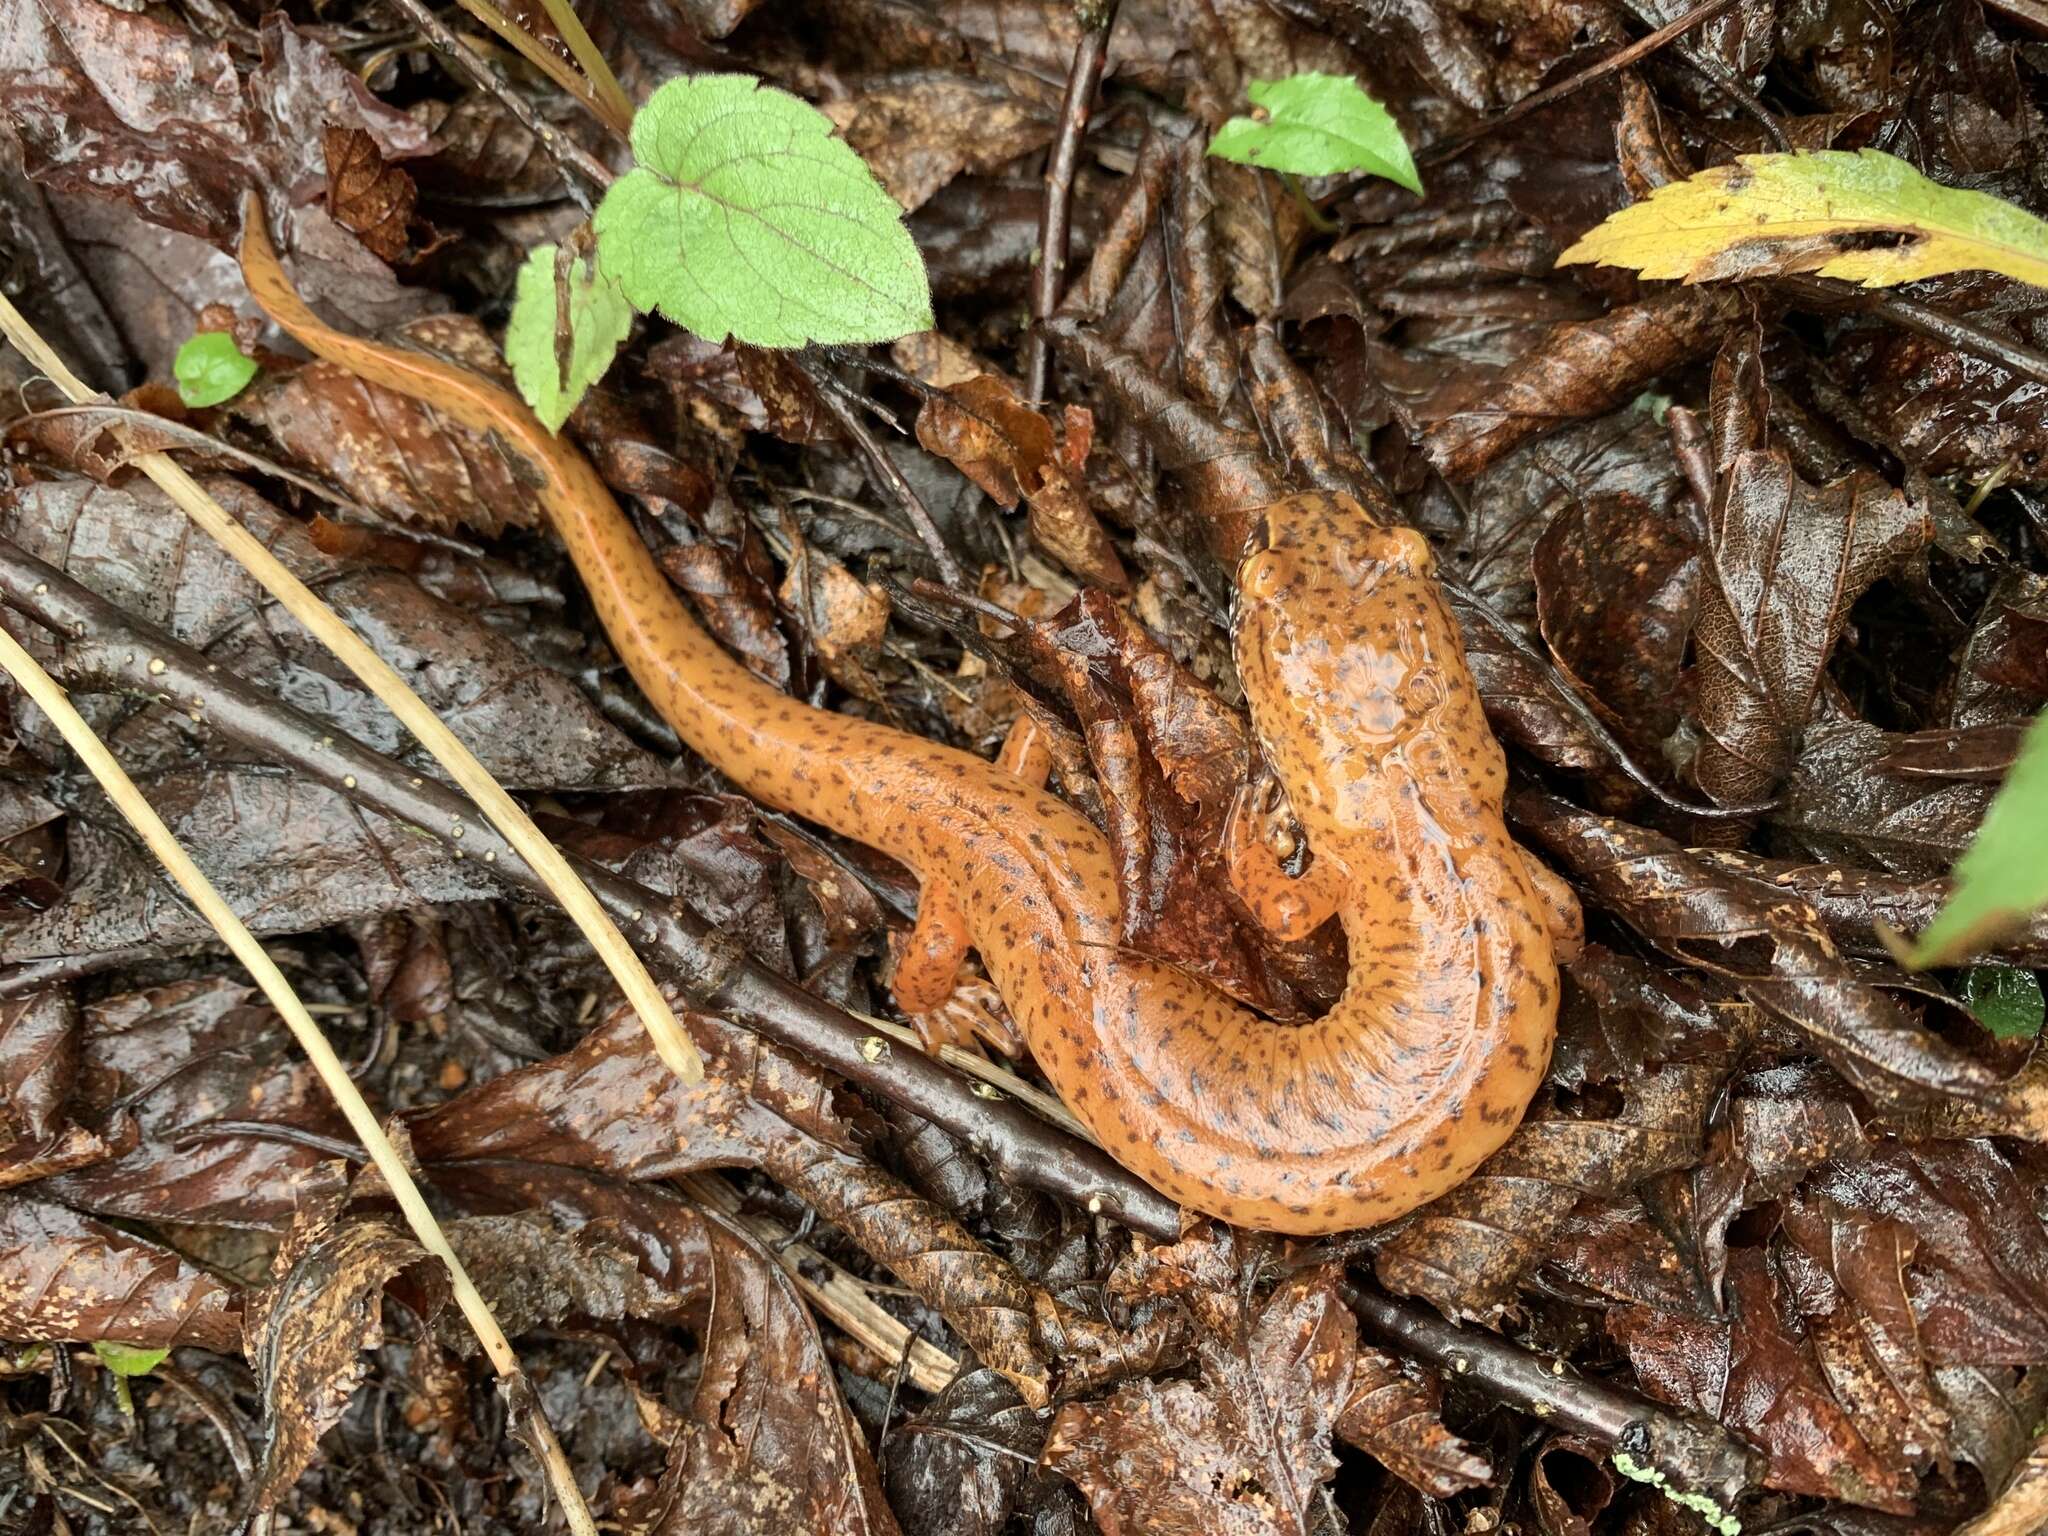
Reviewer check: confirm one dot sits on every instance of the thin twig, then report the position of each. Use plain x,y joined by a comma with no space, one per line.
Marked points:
833,393
1615,62
832,1289
591,61
121,790
109,648
1911,315
378,675
1055,220
1693,1455
563,150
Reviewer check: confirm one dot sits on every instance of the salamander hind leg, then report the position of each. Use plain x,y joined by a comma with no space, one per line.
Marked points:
943,1006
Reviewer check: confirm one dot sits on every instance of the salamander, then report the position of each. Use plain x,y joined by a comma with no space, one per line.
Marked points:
1364,706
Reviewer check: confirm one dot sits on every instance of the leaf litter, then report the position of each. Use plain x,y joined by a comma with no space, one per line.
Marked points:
1751,575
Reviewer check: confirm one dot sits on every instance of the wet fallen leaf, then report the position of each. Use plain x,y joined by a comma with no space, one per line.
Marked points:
366,195
1246,1450
66,1277
306,1331
1816,212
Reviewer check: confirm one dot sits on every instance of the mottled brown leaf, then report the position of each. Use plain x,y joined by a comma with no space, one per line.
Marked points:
157,1069
366,195
38,1060
305,1332
1772,947
1583,368
66,1277
1756,1373
1784,562
1012,452
1394,1413
919,130
1247,1450
1617,586
396,455
1466,1251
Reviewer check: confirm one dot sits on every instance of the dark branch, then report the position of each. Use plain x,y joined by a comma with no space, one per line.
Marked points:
1055,221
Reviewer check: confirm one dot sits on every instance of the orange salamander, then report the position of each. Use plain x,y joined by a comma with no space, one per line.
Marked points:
1360,693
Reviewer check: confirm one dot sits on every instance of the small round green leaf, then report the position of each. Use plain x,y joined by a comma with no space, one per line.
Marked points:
2006,1000
747,218
1318,125
129,1359
210,368
599,319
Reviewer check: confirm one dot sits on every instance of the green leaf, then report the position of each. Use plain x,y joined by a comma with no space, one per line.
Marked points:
129,1359
599,319
746,218
2006,1000
2002,877
1815,212
1317,125
210,368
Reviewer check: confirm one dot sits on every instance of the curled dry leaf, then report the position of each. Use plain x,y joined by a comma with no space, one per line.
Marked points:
1012,452
305,1332
1169,759
843,617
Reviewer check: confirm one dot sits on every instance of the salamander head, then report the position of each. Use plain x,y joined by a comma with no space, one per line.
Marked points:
1351,663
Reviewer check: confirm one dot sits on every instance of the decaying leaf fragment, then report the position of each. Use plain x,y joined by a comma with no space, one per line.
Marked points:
1246,1450
1013,453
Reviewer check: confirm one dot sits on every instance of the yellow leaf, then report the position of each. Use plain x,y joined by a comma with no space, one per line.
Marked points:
1866,216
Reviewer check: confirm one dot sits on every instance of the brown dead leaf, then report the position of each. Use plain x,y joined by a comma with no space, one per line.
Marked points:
1756,1374
1772,947
39,1037
1245,1451
65,1277
919,130
1784,562
1581,369
365,193
843,617
736,607
396,455
306,1331
1467,1251
1013,453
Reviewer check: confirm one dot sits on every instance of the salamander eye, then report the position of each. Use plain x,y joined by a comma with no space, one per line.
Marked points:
1262,575
1404,549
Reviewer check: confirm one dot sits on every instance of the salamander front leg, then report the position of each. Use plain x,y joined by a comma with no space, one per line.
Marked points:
1561,913
1287,906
